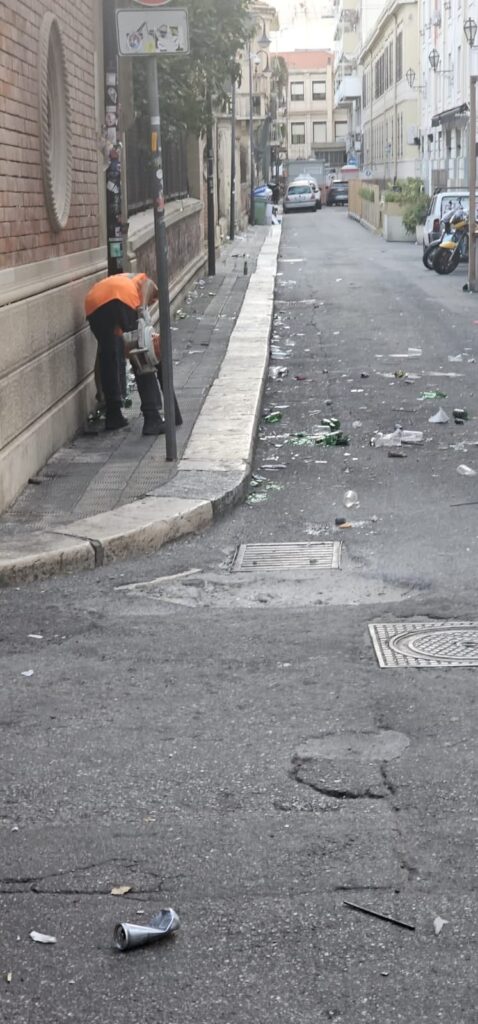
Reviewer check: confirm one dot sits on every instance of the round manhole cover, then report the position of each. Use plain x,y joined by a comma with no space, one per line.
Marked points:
447,644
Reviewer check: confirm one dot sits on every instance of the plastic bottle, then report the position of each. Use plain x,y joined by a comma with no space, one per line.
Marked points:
350,499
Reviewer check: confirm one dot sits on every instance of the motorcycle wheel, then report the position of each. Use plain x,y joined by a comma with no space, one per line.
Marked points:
429,255
446,260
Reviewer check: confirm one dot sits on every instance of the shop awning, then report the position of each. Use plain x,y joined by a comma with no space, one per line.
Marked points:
449,116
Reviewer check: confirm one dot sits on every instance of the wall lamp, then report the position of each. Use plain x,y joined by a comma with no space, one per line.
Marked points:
410,76
470,29
434,62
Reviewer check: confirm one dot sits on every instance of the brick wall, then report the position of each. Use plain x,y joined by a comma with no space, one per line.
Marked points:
25,232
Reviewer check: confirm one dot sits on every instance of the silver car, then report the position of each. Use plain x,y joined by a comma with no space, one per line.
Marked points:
300,195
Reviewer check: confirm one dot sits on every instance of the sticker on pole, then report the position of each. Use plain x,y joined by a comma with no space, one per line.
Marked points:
152,33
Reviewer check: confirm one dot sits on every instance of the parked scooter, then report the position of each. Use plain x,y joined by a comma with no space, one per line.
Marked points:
453,247
430,250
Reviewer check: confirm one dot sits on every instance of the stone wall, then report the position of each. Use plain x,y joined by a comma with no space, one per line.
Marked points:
187,254
47,263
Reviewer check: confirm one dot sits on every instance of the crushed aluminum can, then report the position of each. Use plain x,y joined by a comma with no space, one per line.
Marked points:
130,936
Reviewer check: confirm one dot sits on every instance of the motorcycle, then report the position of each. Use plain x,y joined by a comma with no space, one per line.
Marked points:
453,247
430,250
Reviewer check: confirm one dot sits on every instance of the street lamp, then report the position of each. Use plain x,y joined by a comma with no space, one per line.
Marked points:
470,29
434,62
434,59
264,42
410,76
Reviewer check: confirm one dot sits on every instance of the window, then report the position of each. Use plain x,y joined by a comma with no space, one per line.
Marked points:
297,133
297,90
319,131
399,57
319,90
340,129
390,61
365,89
256,105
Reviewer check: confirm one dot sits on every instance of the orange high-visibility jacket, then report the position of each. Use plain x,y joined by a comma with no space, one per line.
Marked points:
119,286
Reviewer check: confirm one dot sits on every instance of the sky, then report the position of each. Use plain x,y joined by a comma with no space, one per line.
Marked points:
302,26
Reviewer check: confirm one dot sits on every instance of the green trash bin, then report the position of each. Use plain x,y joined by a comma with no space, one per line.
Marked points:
260,209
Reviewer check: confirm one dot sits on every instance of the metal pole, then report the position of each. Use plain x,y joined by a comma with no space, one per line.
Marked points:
211,218
162,273
252,209
232,223
472,188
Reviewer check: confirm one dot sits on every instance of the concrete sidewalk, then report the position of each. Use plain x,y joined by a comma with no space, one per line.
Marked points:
106,496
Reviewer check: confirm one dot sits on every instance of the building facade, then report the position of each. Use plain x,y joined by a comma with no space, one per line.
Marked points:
444,91
390,110
52,226
315,129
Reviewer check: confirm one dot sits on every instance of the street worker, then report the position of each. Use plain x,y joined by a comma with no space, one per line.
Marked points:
111,308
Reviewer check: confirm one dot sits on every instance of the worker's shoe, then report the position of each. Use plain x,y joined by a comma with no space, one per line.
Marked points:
114,419
153,425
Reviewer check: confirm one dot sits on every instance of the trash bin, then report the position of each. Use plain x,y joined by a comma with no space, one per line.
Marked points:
260,209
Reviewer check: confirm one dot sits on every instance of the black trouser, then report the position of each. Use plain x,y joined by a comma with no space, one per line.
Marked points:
104,323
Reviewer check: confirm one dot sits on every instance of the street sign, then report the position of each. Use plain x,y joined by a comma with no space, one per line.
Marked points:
152,32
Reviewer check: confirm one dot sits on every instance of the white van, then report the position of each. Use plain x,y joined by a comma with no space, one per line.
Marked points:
441,204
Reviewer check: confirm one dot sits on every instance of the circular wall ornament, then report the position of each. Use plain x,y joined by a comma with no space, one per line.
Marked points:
55,123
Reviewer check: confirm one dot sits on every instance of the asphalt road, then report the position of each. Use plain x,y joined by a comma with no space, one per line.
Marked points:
226,744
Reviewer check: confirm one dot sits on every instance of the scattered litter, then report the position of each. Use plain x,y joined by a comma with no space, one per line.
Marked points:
397,438
121,890
272,417
180,314
439,417
382,917
338,280
300,376
438,924
283,260
460,415
364,375
466,470
28,673
257,498
442,373
396,453
14,828
455,359
35,636
8,977
40,937
276,372
340,521
413,353
356,424
351,499
435,393
129,936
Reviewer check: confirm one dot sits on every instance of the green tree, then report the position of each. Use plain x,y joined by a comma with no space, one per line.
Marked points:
218,29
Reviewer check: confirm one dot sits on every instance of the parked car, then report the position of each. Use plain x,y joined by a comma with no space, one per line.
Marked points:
338,194
300,196
441,204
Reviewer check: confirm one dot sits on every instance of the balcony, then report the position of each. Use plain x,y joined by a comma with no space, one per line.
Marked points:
350,88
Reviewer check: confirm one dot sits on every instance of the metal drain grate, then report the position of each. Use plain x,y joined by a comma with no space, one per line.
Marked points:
276,557
444,644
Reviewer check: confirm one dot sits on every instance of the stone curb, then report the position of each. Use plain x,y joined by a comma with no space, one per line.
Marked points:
212,475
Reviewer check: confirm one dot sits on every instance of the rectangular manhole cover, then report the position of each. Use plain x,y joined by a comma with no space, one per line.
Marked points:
444,644
276,557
